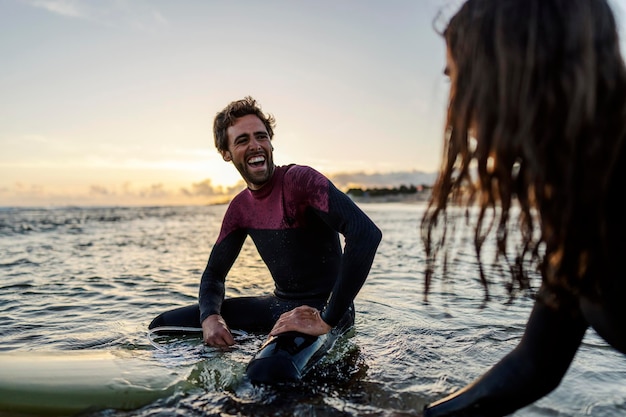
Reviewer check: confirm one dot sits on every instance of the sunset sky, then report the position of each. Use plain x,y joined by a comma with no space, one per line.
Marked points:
111,102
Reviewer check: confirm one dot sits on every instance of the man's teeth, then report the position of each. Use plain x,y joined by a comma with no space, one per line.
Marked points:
256,159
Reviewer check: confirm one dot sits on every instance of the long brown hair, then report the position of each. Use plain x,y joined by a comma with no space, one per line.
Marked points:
536,121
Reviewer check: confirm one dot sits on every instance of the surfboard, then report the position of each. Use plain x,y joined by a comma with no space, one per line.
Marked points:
69,382
288,357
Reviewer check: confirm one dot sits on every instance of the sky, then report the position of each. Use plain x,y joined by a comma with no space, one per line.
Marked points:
111,102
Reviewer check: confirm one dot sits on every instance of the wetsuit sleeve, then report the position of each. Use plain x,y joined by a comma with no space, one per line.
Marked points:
361,237
222,257
533,369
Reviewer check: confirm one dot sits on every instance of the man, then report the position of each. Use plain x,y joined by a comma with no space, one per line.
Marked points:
294,216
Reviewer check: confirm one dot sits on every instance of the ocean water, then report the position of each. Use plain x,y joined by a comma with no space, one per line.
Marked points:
91,279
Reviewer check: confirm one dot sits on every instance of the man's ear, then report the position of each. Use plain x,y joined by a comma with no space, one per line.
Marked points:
226,156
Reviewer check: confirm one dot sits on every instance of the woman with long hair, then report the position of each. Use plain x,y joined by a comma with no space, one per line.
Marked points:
535,140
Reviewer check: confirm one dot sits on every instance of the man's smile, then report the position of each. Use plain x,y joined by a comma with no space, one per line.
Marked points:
256,160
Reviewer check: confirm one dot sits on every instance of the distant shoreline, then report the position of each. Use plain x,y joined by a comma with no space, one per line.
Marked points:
402,194
400,198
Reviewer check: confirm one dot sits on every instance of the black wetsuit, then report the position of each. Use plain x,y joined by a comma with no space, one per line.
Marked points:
533,369
294,220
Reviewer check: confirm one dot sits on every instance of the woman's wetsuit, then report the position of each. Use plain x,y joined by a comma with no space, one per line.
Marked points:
294,221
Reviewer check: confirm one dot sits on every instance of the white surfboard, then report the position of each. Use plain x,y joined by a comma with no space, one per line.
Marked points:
68,382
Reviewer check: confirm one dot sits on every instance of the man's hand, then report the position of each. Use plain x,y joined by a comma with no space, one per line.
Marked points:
216,333
303,319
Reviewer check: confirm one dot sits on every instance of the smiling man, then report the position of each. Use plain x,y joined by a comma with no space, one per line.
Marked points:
294,216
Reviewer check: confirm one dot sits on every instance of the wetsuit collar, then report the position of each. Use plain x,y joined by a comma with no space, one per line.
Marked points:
267,188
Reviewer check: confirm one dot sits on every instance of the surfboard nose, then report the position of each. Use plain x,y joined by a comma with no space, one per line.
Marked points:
272,370
282,358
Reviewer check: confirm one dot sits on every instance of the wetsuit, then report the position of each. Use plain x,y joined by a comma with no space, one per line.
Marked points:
294,220
533,369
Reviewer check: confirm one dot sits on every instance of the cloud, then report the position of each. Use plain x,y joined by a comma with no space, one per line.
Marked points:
136,14
67,8
207,189
127,191
381,180
99,190
204,188
155,191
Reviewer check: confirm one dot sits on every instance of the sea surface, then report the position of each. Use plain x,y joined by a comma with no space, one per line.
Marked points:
91,279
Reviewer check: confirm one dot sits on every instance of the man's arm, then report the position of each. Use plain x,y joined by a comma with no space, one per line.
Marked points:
212,289
533,369
362,238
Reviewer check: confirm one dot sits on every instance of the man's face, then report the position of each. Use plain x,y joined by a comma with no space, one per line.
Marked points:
250,150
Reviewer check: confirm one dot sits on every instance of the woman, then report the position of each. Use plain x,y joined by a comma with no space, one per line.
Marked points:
535,139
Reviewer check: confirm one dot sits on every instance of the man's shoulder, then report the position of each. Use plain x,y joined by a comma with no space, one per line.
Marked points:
306,185
299,171
245,193
242,198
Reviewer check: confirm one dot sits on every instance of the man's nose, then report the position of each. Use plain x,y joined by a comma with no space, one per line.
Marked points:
255,144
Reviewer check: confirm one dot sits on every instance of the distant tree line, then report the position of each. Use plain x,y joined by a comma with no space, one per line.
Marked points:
383,192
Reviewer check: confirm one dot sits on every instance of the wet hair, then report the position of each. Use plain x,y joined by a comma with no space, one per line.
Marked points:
236,109
534,142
